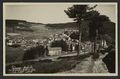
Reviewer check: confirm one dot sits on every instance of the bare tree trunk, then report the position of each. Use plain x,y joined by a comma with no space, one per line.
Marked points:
95,46
79,44
95,50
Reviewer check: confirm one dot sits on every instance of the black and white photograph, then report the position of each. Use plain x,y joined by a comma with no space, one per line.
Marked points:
60,39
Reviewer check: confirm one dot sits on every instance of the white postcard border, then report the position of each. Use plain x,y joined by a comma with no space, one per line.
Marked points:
60,3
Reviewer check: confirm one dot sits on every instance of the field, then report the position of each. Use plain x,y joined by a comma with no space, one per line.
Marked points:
48,66
40,31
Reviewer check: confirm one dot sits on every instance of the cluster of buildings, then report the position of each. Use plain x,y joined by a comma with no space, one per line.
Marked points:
70,46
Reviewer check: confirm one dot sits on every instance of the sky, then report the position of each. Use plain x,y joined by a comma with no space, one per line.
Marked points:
50,13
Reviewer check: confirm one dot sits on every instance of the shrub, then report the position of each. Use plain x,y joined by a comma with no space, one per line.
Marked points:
34,52
60,43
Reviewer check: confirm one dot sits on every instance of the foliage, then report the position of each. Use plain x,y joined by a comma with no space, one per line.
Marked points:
84,12
34,52
74,35
60,43
96,26
80,12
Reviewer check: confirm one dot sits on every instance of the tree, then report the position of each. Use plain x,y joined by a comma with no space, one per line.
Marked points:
96,29
60,43
96,23
80,13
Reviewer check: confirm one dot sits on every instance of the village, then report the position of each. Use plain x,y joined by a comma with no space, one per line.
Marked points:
56,45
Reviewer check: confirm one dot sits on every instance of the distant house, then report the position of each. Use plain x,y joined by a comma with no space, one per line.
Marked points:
54,51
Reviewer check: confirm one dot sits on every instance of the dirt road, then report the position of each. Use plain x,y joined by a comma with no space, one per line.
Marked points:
88,65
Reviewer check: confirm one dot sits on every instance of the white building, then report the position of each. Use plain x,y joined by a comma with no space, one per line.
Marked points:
55,51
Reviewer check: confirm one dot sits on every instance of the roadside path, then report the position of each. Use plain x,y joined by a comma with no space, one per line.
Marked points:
88,65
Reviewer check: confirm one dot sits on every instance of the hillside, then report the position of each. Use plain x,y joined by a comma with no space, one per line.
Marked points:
109,27
70,25
43,31
33,30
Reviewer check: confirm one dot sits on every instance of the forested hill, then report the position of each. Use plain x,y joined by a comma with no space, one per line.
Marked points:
63,25
109,27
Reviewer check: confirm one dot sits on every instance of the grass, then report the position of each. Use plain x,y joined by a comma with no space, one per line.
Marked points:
47,66
14,54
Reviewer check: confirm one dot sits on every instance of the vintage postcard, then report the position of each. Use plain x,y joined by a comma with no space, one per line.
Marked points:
60,39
